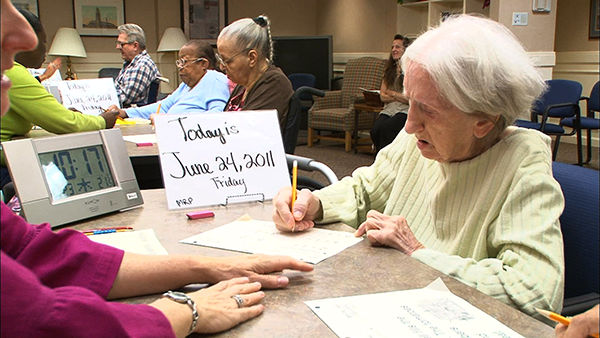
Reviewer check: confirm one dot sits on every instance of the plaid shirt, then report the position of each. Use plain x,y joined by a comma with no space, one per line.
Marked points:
134,79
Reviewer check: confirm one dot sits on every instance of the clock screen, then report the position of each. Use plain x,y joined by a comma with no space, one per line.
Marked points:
76,171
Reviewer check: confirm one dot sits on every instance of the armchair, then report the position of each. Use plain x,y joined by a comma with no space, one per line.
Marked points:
335,112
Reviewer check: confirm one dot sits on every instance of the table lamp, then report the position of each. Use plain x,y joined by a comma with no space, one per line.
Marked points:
172,41
67,42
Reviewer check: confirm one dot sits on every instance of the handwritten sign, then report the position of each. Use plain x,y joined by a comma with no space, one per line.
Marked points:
89,96
39,71
220,158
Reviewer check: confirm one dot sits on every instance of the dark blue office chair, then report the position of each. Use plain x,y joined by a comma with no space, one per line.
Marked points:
292,126
580,224
590,121
153,91
561,100
303,80
109,72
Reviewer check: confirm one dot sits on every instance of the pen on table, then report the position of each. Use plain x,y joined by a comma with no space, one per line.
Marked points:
294,186
109,228
558,318
108,231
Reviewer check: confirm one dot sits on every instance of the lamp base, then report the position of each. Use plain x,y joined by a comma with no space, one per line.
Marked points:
70,75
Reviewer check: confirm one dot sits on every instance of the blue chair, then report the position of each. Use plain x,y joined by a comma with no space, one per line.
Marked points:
580,224
590,121
561,100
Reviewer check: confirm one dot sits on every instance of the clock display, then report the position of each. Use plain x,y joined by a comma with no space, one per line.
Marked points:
76,171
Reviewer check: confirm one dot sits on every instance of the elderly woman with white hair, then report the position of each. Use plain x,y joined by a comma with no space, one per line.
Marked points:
459,189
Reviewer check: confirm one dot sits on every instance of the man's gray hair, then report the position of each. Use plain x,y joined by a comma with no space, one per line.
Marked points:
479,66
134,33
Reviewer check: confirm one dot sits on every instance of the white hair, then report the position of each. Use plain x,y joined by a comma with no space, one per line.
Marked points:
478,65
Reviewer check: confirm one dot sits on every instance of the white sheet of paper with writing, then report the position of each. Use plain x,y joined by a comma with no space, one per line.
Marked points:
429,312
220,158
140,241
252,236
89,96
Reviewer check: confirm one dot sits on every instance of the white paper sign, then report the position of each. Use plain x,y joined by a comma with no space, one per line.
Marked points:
39,71
89,96
220,158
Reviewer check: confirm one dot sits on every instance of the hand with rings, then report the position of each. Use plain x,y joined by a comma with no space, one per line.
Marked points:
226,304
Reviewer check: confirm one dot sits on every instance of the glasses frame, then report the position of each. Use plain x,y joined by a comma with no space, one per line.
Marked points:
185,62
121,44
224,63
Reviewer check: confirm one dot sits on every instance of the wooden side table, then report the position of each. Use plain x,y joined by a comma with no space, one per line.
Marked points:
363,107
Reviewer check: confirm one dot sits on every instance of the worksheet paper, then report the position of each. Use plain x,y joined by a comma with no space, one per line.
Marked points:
139,241
429,312
143,138
251,236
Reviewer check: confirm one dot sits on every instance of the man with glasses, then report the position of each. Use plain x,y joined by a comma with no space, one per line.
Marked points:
138,70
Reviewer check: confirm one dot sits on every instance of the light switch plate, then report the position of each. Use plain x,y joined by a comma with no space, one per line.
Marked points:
520,19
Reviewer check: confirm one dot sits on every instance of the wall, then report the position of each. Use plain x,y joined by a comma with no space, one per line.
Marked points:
288,17
576,53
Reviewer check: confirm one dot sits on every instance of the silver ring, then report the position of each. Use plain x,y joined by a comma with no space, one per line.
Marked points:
239,300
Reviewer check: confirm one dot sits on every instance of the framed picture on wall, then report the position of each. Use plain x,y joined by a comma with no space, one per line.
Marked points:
204,19
98,17
28,5
595,19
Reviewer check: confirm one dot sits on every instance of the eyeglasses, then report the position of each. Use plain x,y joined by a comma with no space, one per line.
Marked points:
225,62
121,44
182,63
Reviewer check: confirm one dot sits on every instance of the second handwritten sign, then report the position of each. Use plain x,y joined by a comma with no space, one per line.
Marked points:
220,158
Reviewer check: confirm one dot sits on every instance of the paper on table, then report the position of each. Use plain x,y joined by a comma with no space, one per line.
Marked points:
140,241
429,312
144,138
252,236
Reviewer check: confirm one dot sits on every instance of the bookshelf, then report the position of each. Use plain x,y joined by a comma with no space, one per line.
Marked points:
415,17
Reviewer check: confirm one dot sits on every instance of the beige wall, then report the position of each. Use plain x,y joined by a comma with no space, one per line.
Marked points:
572,27
358,25
288,17
538,35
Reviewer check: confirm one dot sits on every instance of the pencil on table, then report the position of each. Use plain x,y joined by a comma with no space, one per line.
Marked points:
294,186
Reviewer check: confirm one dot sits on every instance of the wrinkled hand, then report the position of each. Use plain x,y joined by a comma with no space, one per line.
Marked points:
582,326
122,113
307,208
392,231
256,268
110,117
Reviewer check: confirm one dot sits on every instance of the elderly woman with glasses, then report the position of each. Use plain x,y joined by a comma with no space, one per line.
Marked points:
203,89
245,54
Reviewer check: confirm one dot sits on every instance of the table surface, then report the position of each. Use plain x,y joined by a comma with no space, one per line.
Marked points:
360,269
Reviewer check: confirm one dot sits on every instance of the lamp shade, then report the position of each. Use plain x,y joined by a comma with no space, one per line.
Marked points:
172,40
67,42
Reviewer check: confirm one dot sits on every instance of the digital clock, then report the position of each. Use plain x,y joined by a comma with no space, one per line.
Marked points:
61,179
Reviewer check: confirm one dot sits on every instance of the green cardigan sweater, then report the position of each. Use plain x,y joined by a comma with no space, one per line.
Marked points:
491,222
31,104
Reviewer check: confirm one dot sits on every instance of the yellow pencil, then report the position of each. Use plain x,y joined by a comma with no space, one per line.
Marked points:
158,109
558,318
294,186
